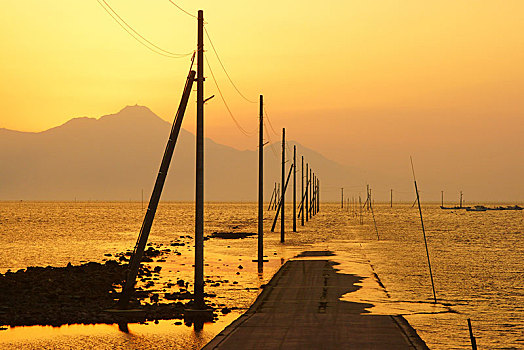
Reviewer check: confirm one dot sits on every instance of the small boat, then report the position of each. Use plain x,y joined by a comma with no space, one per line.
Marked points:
454,208
509,207
477,208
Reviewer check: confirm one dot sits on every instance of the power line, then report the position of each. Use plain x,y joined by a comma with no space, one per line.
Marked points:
181,9
244,131
225,71
269,121
122,23
270,142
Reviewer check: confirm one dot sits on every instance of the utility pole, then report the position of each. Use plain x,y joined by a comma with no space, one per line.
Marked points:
310,192
277,198
391,199
199,192
283,181
294,188
318,195
441,198
315,193
360,206
138,253
342,197
461,199
302,188
306,202
261,186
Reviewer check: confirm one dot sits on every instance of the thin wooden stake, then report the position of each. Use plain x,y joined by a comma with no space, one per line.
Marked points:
373,215
423,232
471,337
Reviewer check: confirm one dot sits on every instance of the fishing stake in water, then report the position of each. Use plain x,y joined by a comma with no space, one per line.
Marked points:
373,215
423,231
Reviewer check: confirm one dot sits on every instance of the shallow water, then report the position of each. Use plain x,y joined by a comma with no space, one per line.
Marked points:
476,259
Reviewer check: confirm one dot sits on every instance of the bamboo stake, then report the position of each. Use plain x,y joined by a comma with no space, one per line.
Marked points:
423,231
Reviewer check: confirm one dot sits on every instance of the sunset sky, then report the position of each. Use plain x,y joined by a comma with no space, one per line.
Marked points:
366,83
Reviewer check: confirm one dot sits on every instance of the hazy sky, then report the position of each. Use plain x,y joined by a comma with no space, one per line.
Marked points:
366,83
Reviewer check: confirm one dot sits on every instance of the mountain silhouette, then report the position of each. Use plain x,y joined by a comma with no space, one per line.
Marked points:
117,156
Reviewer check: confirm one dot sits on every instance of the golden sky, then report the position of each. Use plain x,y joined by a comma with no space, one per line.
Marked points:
338,74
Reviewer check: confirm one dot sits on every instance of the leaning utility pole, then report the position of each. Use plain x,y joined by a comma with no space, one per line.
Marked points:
199,192
294,188
282,198
136,258
302,188
261,185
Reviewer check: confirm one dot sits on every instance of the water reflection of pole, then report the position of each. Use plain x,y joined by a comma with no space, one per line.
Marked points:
423,232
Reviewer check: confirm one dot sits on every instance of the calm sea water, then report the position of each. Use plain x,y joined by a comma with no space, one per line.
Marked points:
476,258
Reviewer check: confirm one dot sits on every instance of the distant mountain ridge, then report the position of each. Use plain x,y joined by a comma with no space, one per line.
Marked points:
117,156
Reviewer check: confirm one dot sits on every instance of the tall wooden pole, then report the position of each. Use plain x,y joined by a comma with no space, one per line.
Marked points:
315,193
280,203
294,188
424,232
342,197
272,194
277,198
136,258
441,198
310,192
199,192
302,191
318,195
261,185
391,199
282,198
306,202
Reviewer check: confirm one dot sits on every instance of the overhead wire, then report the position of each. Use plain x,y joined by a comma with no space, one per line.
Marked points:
181,9
271,146
225,70
269,121
242,130
131,31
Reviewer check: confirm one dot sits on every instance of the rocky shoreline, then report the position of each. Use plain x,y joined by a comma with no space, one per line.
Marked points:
81,294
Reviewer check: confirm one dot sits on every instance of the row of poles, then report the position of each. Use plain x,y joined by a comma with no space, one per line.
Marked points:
308,207
309,204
